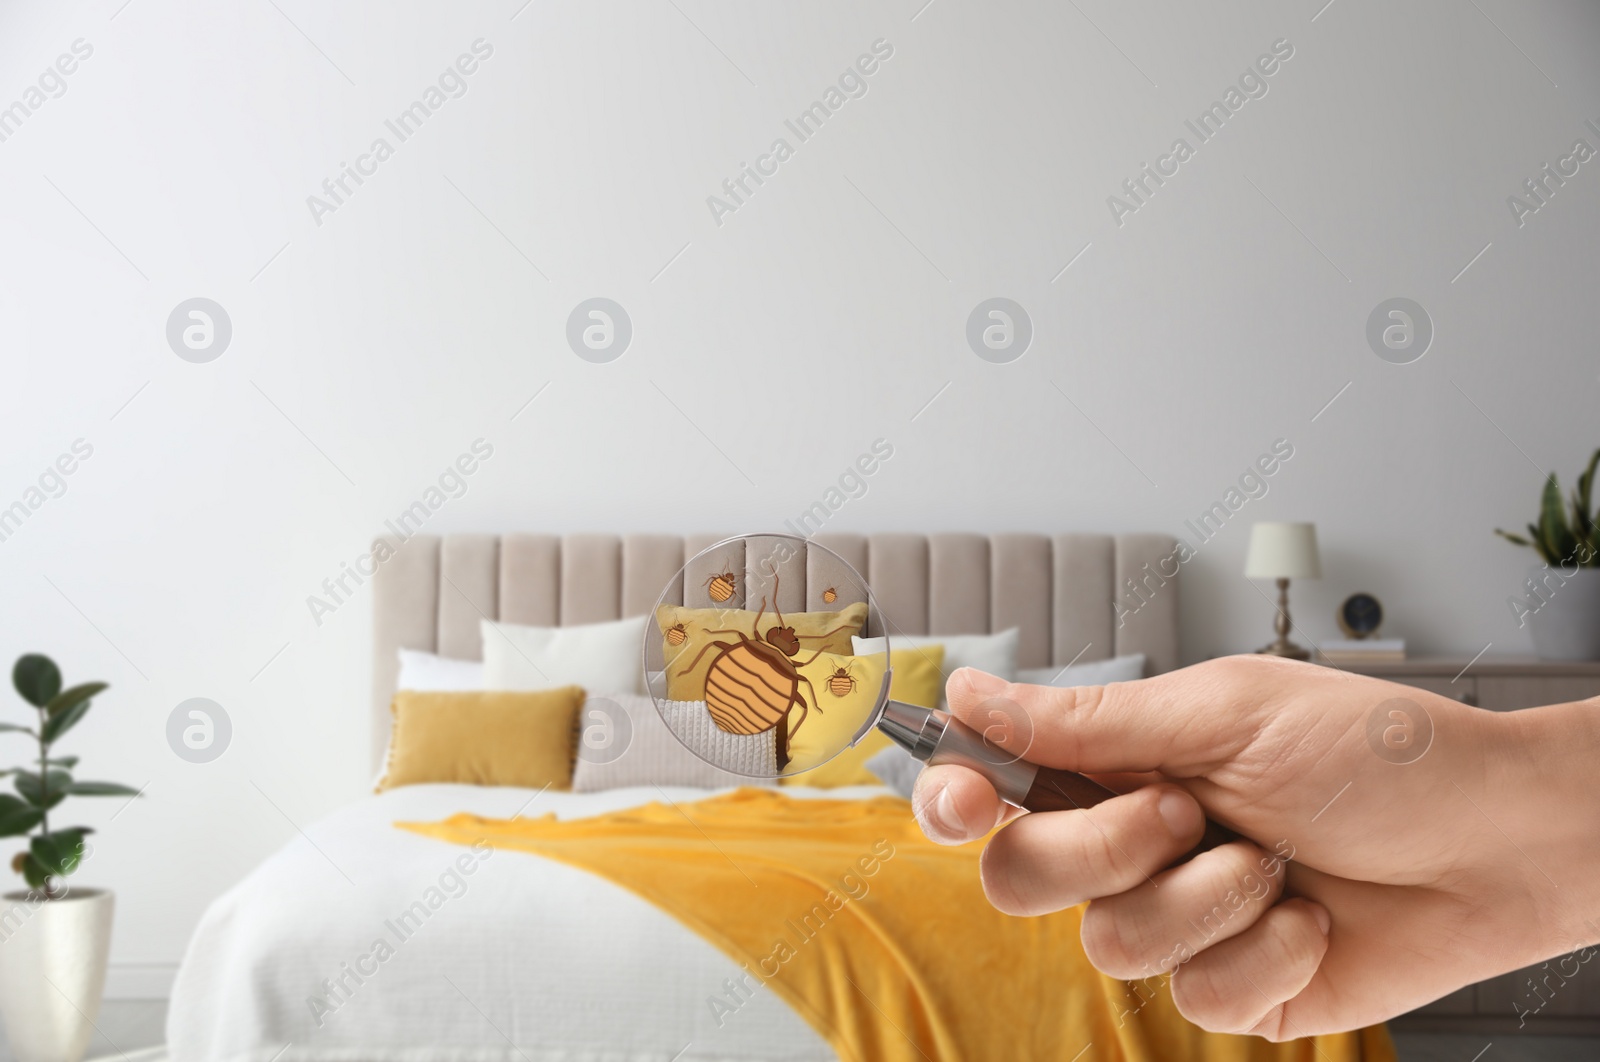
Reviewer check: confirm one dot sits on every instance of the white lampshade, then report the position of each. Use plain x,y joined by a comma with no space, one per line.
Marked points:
1283,551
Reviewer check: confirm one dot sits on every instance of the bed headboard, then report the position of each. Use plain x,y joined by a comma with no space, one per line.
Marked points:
433,591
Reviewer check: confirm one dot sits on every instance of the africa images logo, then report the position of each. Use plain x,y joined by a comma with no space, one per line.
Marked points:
1399,731
51,84
1253,85
451,85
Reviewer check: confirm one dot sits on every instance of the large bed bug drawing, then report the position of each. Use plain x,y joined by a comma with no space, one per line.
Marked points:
754,684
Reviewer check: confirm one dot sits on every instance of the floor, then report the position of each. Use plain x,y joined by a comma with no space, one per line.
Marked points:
131,1029
128,1028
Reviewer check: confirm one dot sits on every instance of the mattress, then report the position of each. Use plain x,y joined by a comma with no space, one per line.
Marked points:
361,942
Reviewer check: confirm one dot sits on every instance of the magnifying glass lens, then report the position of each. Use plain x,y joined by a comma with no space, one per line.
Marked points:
751,660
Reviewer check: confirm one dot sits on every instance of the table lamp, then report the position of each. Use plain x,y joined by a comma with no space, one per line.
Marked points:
1283,551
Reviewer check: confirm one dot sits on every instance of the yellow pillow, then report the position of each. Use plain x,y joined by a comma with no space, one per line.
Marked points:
498,737
915,681
685,637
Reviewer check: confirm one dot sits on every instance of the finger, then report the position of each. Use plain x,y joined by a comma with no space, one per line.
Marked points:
1047,861
1128,781
1181,912
1182,722
1241,985
954,805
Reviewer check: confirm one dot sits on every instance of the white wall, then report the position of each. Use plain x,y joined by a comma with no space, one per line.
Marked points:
823,314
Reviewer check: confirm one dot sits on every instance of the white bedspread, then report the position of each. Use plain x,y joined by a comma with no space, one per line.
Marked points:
525,960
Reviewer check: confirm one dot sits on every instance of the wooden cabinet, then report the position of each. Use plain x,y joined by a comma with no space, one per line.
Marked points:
1561,997
1505,693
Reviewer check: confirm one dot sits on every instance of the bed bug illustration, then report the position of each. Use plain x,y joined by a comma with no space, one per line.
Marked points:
753,684
829,596
676,634
842,683
720,587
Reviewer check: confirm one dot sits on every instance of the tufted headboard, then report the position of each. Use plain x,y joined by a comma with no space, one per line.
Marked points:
433,591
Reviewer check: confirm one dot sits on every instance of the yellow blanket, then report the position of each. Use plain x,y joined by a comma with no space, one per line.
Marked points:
879,939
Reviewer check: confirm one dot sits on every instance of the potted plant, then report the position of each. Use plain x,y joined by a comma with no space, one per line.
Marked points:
1561,606
53,940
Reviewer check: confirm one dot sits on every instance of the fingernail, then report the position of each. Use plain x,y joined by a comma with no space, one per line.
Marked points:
981,682
943,815
1178,812
1324,919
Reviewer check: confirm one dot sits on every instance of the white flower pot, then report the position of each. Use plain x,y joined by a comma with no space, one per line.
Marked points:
1567,625
52,971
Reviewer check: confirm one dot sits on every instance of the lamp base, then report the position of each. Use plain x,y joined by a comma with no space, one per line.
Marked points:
1283,624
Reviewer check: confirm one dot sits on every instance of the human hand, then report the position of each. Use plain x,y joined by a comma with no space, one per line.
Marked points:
1387,859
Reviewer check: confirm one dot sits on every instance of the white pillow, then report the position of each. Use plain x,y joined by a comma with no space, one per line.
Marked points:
1094,673
994,653
596,656
430,671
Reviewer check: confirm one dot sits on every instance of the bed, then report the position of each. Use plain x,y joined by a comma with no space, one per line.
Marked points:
527,958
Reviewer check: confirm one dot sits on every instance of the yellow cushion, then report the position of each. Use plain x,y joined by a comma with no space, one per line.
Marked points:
490,737
915,681
831,631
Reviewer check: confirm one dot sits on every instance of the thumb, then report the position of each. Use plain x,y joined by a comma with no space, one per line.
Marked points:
1170,723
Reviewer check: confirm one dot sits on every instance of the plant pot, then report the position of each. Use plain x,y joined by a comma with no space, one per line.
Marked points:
1567,625
52,971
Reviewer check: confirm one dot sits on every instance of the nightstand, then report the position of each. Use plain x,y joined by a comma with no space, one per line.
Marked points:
1500,684
1565,1005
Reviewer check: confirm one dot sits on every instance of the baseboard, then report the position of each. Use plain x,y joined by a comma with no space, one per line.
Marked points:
140,980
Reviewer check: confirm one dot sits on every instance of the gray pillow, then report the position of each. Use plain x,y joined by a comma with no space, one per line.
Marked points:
623,742
1094,673
897,767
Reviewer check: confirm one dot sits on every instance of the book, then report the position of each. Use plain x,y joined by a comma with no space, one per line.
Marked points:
1364,645
1363,650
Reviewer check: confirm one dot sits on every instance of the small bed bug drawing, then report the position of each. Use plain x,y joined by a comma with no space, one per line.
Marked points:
829,596
676,634
842,683
720,587
753,684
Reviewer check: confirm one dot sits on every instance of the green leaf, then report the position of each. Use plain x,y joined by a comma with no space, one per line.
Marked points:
63,721
35,790
17,817
1538,539
1514,539
99,789
1565,541
33,871
1559,542
77,694
37,678
62,761
1541,543
59,851
1586,487
9,727
1583,515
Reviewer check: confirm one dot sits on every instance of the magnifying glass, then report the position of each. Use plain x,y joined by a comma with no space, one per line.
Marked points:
753,665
